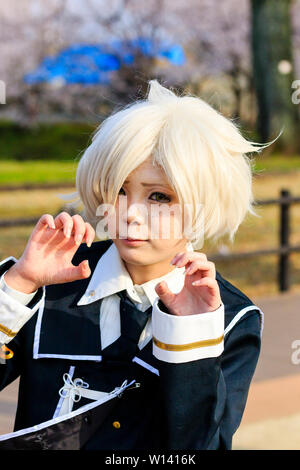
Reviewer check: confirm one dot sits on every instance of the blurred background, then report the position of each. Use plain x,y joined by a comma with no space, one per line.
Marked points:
67,64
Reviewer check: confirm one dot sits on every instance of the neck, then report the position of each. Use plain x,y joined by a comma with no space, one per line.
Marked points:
142,274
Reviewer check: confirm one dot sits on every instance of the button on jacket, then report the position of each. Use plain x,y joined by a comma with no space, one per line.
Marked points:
194,371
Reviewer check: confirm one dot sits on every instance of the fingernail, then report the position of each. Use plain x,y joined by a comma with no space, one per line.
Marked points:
78,239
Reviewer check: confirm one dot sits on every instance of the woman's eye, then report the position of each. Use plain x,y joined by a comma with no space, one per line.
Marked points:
161,197
158,196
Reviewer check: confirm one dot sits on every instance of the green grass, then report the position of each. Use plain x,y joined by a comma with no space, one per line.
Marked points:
52,171
65,142
277,163
13,172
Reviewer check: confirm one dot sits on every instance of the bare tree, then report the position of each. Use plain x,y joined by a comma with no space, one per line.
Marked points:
30,30
215,36
214,42
130,20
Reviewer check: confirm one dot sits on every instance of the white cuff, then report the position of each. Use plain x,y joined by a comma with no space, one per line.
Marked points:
16,294
13,314
187,338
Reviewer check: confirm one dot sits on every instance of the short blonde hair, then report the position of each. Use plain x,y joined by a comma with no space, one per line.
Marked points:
202,153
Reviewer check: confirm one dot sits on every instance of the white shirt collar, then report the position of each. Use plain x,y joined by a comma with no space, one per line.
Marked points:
111,276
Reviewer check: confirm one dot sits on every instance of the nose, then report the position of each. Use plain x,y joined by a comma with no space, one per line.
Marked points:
135,214
135,220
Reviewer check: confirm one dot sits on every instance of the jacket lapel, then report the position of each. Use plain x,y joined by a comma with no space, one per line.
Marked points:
64,329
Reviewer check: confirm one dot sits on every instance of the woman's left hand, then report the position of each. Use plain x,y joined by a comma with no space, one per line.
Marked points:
200,292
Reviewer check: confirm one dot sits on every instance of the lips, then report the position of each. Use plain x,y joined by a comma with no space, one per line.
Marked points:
136,239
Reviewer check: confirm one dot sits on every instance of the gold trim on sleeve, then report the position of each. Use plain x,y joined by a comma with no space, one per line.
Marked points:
186,347
7,331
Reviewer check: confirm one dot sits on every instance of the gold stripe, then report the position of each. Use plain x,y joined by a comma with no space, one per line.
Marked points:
186,347
7,331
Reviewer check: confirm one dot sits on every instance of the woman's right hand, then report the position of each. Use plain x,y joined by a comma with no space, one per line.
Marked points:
48,254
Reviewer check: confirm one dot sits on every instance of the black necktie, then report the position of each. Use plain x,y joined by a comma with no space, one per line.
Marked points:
133,322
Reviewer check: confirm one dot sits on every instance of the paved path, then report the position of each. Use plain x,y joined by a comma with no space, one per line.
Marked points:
8,400
272,416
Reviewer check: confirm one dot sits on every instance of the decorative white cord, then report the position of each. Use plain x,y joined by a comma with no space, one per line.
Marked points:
60,418
73,390
119,390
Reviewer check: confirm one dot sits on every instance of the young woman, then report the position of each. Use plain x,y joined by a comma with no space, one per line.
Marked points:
141,306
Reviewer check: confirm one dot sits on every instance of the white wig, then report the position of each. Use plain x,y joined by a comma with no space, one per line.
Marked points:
202,153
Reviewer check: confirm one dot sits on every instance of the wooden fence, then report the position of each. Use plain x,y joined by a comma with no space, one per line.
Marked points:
284,247
283,250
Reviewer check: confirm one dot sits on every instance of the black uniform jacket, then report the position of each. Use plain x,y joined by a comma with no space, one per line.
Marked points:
191,405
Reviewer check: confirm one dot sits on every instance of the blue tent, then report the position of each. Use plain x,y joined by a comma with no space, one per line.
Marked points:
89,64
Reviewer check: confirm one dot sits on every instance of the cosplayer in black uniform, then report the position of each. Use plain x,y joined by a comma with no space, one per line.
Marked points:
190,350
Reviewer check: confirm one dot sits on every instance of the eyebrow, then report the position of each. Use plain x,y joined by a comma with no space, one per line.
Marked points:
151,184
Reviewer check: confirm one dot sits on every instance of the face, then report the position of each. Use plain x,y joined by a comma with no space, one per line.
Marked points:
142,212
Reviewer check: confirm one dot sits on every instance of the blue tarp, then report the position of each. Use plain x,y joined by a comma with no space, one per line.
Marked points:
90,64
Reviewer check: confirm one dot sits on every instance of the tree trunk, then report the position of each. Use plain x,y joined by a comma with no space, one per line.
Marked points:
272,44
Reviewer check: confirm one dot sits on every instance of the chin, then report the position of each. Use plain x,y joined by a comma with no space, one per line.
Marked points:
135,255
